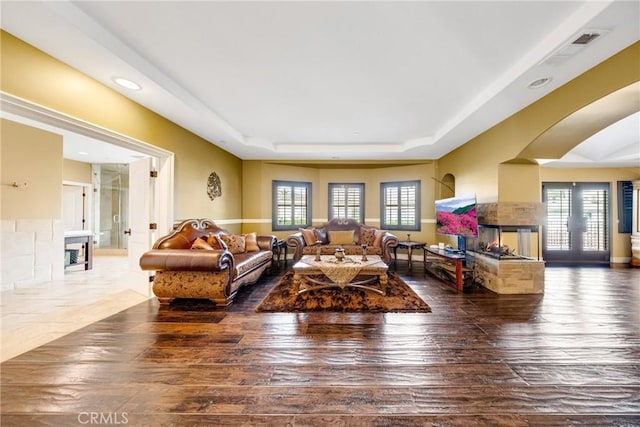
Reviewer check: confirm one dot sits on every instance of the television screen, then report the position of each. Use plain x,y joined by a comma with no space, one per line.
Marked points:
457,215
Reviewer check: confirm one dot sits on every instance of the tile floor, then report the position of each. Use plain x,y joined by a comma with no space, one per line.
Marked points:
35,315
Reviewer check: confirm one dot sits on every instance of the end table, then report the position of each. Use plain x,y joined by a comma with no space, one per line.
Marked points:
409,246
279,248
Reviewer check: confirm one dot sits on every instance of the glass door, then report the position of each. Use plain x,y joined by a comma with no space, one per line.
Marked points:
111,205
577,228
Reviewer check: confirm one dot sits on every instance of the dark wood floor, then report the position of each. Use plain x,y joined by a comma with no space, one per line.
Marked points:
568,357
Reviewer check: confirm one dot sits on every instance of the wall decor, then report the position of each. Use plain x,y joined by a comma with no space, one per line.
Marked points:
214,186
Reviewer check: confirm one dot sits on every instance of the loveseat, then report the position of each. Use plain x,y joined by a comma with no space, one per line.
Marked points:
345,233
200,260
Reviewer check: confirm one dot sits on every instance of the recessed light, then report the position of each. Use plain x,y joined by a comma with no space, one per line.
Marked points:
83,153
539,83
126,83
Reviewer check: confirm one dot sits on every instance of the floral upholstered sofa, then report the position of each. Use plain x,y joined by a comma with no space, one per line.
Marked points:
344,233
200,260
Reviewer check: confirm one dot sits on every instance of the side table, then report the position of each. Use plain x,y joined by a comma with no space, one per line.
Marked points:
409,246
279,248
86,238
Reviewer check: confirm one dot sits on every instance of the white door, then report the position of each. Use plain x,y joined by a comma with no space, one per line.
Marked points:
73,208
140,216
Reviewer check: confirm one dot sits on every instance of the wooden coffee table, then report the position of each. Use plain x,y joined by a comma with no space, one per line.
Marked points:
340,274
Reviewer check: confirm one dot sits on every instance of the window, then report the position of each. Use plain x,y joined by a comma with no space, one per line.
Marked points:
558,202
625,202
595,213
346,201
400,208
291,205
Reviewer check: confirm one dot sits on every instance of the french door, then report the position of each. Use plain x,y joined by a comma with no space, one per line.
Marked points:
577,228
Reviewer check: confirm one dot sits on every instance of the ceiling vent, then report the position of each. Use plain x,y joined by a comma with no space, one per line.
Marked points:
586,38
569,49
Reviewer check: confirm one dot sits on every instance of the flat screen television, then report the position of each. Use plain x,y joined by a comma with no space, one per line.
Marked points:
457,216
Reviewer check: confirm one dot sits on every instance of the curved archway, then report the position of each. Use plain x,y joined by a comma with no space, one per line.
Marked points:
571,131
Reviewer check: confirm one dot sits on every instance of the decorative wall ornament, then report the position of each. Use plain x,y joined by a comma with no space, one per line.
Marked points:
214,186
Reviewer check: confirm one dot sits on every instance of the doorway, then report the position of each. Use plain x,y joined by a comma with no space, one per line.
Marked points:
160,203
578,224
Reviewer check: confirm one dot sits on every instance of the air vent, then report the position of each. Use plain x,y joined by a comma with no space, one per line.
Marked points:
586,38
569,49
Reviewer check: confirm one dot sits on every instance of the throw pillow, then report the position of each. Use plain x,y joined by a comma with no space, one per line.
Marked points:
251,242
235,243
200,243
378,240
367,236
215,242
309,236
341,237
321,235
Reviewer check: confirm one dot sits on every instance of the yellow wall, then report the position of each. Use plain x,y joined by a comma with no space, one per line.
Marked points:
259,175
34,157
77,172
30,74
514,180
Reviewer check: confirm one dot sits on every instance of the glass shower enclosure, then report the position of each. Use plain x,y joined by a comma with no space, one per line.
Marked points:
111,205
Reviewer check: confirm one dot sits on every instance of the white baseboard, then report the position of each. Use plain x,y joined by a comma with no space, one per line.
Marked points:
620,260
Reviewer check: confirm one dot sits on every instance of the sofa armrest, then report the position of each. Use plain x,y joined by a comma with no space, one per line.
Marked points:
296,241
187,260
266,243
389,241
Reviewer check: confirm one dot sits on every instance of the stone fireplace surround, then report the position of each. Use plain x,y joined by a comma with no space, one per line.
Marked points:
516,275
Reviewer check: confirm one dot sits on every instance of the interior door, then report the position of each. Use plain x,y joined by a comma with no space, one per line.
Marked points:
140,216
577,228
73,207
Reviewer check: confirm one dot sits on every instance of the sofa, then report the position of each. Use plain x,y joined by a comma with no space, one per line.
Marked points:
345,233
201,260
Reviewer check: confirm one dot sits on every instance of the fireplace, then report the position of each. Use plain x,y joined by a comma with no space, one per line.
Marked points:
506,242
506,254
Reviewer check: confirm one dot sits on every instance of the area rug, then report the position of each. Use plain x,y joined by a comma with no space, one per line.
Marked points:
400,298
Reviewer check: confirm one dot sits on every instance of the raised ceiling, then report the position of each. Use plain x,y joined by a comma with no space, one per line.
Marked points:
331,80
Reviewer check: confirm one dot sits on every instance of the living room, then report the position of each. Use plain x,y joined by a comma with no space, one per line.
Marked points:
495,165
487,166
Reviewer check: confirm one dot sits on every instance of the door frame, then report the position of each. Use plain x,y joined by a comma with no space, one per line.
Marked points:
162,199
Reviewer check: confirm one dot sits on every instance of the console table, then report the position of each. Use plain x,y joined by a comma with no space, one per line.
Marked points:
451,262
86,238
